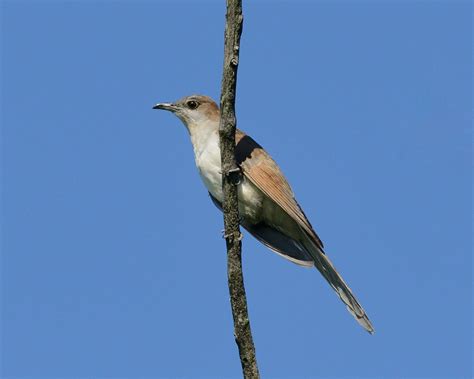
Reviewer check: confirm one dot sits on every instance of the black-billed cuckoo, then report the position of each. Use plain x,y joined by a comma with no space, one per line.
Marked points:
267,206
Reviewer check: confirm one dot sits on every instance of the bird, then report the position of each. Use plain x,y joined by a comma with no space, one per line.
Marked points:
268,209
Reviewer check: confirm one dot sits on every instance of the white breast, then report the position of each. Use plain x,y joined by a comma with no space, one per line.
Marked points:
208,161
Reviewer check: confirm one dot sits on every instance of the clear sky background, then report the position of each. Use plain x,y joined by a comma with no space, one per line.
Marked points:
113,263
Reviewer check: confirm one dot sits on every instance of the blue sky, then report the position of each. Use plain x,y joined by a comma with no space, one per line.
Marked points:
113,263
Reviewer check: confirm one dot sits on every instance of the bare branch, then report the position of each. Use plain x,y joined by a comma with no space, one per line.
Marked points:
230,179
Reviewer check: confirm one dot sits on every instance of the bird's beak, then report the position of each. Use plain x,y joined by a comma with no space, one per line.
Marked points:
166,106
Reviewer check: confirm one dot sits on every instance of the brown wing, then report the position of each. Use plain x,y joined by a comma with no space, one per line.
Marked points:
264,173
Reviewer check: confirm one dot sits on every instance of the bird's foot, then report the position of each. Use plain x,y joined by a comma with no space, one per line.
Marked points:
235,175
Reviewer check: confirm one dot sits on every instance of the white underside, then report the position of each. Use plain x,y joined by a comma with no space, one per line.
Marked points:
254,206
208,161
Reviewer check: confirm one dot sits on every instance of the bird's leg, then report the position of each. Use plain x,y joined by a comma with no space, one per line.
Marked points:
235,175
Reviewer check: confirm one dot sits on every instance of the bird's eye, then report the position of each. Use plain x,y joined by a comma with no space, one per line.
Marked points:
192,104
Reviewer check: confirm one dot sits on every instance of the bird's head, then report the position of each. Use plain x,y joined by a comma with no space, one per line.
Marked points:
194,111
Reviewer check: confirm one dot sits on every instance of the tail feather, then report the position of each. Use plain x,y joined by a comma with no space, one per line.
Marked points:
327,269
305,252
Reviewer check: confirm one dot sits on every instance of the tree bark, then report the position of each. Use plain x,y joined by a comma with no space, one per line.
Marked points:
231,176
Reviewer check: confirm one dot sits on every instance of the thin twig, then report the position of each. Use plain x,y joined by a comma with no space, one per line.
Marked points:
242,332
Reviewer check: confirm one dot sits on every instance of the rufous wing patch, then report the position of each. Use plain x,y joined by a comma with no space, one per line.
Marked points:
264,173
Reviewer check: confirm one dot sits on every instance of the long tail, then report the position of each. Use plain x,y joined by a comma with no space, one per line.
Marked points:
327,269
